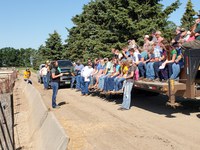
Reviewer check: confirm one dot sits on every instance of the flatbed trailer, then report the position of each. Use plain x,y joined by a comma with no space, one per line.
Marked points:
188,85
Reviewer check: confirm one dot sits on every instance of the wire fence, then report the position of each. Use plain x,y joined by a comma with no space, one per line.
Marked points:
7,81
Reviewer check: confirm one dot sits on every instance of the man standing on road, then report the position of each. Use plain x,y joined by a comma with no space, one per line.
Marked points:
78,69
85,78
44,71
55,78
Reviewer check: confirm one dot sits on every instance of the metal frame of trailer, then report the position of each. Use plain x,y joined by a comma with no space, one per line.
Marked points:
188,85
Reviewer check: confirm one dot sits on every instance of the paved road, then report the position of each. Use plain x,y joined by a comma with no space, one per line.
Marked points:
94,123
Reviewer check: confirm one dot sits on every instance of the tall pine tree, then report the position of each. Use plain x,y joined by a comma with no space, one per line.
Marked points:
104,24
53,48
188,19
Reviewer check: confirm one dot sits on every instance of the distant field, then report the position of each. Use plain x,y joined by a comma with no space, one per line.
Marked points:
24,68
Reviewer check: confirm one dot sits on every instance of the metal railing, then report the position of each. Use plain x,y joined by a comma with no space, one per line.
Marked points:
7,80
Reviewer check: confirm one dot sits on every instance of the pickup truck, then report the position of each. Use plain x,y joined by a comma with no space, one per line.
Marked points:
65,66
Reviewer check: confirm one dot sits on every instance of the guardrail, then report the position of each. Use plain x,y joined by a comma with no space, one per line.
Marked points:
7,80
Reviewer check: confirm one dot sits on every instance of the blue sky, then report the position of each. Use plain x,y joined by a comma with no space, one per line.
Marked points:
27,23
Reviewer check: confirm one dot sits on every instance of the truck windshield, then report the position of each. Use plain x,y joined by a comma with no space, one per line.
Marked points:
64,64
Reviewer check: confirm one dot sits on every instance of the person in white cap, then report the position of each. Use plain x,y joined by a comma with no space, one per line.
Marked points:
146,42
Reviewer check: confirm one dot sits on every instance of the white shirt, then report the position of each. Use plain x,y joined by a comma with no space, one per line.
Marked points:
86,72
43,71
136,53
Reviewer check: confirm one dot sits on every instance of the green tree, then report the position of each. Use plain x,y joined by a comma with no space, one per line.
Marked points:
187,21
104,24
53,48
11,57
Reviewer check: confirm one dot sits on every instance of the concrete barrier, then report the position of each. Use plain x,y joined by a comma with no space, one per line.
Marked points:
37,110
52,135
45,131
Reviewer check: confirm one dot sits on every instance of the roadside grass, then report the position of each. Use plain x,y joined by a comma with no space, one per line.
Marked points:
20,69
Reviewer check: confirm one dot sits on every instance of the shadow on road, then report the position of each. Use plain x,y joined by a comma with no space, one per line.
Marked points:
62,103
198,116
157,104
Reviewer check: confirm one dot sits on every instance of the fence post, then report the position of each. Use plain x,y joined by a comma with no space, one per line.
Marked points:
6,124
6,143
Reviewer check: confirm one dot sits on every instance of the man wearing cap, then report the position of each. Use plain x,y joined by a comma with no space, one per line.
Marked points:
196,31
146,42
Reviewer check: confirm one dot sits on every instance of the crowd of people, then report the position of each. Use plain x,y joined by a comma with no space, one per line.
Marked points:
158,60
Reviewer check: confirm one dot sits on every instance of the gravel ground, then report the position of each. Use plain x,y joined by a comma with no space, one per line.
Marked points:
94,123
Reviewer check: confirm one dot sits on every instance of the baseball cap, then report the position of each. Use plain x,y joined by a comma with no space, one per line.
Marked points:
158,32
182,30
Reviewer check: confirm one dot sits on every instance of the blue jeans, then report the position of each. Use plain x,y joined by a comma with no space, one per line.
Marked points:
156,66
150,71
54,86
48,78
78,82
169,67
44,78
118,83
102,81
72,81
175,71
84,86
109,83
127,95
142,69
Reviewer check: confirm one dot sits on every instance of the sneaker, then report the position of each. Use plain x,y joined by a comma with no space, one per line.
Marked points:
145,79
141,78
56,107
157,80
122,109
103,92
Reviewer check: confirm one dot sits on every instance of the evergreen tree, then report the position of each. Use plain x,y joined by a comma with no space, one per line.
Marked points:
188,19
53,48
104,24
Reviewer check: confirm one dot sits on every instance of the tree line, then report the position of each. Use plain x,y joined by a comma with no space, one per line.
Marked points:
10,57
105,24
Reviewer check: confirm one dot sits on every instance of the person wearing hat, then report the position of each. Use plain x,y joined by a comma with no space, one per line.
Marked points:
128,85
146,42
196,31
